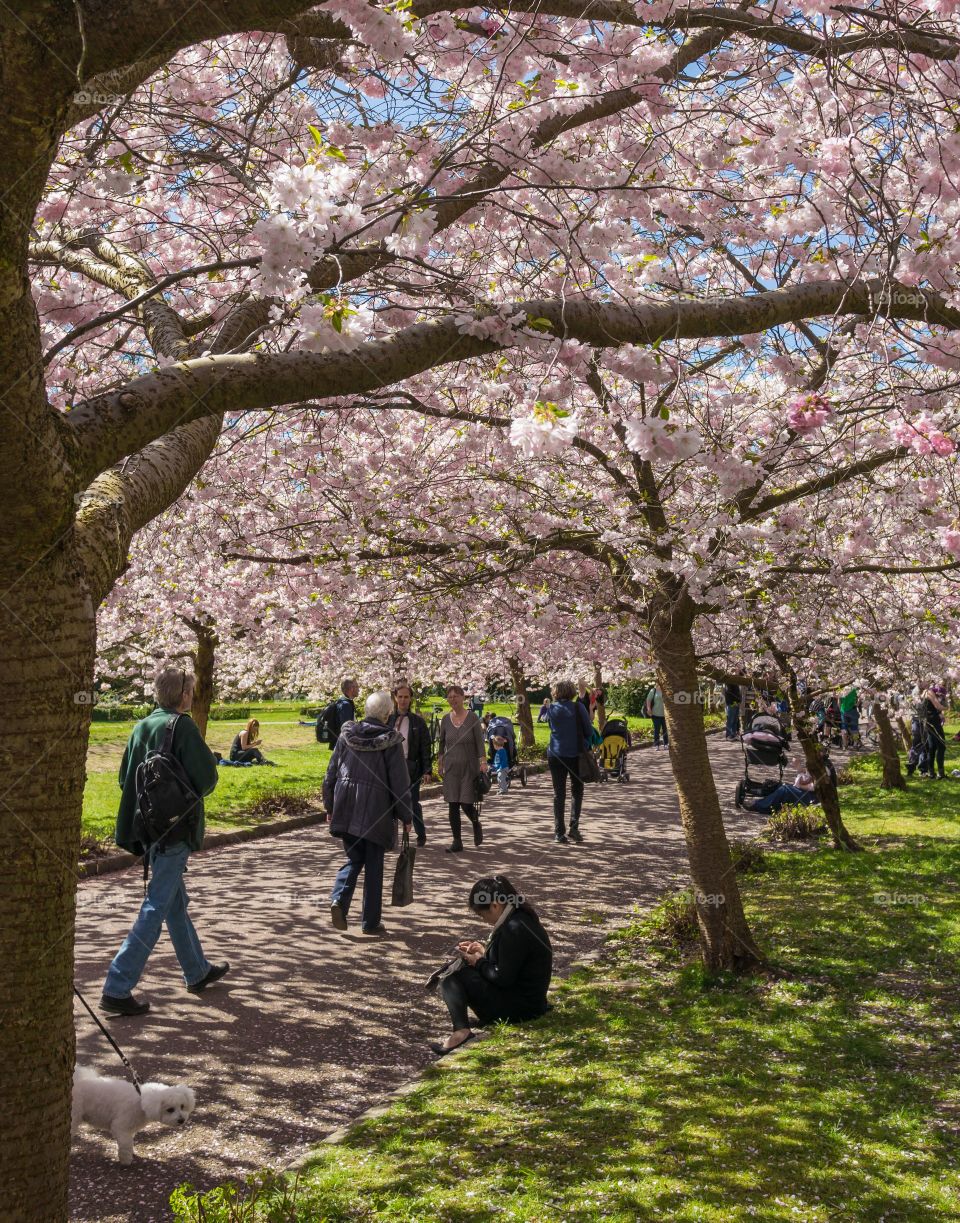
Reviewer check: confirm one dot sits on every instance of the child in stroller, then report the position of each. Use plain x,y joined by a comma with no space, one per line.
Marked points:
764,745
500,727
614,741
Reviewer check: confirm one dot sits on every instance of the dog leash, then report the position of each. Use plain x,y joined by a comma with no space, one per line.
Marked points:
119,1052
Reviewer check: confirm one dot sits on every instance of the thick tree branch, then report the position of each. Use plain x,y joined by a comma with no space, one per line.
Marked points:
113,425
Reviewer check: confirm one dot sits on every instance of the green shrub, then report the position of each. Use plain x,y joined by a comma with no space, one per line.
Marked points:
114,712
229,713
311,711
675,920
748,857
795,823
628,698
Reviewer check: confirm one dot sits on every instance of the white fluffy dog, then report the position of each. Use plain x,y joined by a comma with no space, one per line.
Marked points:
112,1105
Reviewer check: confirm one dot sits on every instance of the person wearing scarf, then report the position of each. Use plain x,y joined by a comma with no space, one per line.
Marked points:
507,977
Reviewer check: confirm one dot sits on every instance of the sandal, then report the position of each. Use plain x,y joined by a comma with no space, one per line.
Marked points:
440,1051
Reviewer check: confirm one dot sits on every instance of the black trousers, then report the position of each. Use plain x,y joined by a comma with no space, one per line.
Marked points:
250,755
562,767
416,806
467,990
936,749
469,810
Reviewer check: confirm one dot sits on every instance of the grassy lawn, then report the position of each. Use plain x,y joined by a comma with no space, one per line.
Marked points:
823,1091
245,796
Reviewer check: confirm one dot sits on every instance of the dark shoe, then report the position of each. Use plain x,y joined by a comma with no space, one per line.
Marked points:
123,1006
477,833
575,836
421,841
455,848
560,839
338,917
216,972
376,930
440,1051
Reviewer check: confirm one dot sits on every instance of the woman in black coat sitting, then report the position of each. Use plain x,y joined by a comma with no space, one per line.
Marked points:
505,979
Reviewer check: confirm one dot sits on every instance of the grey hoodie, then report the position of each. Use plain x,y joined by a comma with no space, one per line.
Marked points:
367,786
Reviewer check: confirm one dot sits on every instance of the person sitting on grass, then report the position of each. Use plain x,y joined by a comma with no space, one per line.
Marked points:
803,792
505,979
245,748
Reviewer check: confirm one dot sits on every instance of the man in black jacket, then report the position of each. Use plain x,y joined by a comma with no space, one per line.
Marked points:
419,751
338,713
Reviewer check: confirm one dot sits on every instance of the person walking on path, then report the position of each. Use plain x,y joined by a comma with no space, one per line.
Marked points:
505,979
338,713
166,899
367,792
731,699
460,760
850,717
569,735
654,709
418,751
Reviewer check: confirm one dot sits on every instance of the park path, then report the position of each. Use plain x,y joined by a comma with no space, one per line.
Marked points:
311,1027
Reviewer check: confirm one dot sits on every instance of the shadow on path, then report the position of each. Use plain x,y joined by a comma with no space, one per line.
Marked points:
311,1026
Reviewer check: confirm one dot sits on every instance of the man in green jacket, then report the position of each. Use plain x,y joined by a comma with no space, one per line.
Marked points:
166,899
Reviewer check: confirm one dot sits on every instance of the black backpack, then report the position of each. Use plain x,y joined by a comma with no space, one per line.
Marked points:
166,799
325,723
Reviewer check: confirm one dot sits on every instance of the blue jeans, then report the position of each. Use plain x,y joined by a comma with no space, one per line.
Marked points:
850,721
733,722
366,856
783,795
166,901
659,728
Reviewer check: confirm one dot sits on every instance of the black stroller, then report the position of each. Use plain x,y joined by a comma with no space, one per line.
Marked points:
764,745
500,727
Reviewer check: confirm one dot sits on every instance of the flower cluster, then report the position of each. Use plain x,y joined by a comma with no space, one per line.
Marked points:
922,436
807,413
654,438
548,429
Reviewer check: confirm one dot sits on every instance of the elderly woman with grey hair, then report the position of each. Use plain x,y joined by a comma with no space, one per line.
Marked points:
367,791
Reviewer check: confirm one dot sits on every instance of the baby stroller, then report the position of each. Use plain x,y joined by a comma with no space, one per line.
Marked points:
612,755
764,745
501,727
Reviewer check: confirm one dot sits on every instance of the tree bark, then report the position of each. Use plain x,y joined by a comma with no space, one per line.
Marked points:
46,693
524,714
725,938
893,778
204,660
826,789
906,735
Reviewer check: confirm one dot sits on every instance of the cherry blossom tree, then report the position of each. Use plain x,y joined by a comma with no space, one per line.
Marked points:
220,210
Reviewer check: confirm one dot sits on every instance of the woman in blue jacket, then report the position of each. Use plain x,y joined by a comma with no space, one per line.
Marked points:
569,735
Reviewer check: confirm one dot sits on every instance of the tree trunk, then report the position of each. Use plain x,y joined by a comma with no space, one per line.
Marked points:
893,778
906,735
46,692
601,705
725,938
524,714
826,789
204,660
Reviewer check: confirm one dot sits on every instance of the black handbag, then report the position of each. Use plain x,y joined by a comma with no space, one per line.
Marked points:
403,875
482,785
587,765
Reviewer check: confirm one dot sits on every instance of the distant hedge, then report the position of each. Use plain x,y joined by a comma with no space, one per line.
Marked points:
131,713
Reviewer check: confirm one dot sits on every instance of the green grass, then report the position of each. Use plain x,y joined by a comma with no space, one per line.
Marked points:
242,795
822,1091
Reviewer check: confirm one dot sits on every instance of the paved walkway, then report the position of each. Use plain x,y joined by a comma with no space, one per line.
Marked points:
311,1026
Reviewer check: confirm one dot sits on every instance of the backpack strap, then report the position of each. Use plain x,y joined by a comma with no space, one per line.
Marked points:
167,746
